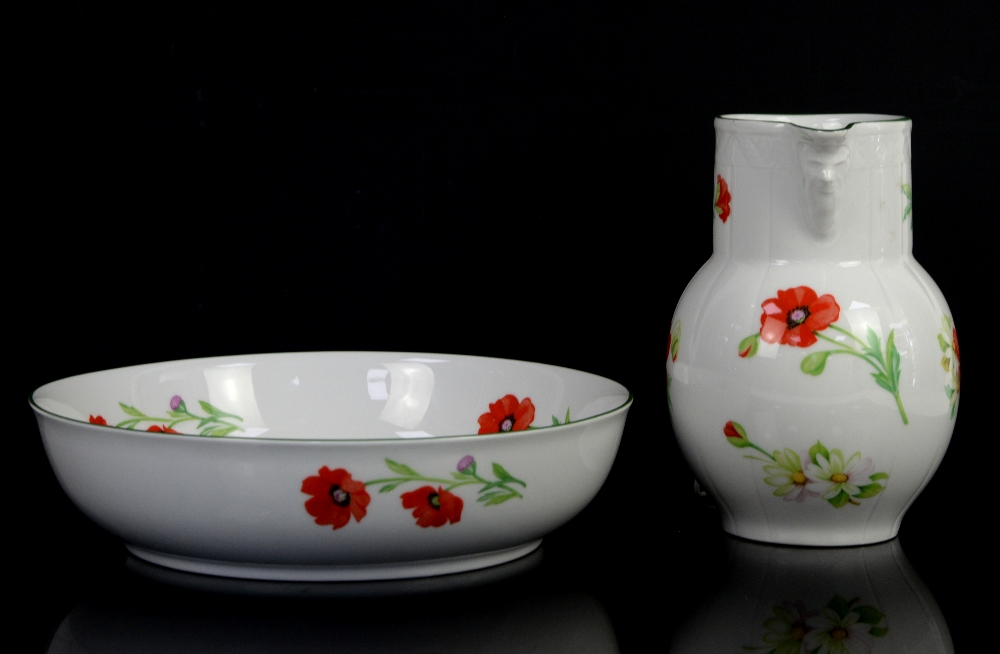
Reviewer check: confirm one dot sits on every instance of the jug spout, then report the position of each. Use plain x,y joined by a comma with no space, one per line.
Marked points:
824,158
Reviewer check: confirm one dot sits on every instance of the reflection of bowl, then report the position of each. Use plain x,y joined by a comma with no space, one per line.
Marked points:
335,465
522,616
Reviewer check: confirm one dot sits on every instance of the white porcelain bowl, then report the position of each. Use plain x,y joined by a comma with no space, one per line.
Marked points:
332,465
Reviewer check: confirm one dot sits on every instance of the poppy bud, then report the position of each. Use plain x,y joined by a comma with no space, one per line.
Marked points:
175,402
735,434
465,462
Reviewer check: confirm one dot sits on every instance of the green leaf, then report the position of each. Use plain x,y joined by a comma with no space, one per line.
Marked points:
892,358
874,343
131,410
390,487
878,632
815,362
881,380
879,475
483,498
501,473
949,391
128,424
943,344
566,422
176,414
869,490
840,606
401,469
907,211
907,191
218,431
749,345
208,408
839,500
818,449
499,499
462,476
869,614
555,420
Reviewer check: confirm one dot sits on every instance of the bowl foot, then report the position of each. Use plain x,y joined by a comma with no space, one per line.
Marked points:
356,572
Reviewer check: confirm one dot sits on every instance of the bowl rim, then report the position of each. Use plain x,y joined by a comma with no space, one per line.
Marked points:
356,441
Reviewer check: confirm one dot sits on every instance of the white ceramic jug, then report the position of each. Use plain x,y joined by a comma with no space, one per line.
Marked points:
812,364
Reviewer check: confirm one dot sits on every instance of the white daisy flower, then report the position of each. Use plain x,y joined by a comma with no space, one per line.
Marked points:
831,476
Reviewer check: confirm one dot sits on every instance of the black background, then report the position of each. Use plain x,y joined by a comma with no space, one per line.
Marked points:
530,181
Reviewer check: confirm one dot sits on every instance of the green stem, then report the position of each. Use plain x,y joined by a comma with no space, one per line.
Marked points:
846,333
879,364
420,478
902,411
761,450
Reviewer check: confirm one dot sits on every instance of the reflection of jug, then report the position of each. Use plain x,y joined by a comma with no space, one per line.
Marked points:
813,365
793,600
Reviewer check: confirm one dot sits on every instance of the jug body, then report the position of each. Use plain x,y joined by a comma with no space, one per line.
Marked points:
813,365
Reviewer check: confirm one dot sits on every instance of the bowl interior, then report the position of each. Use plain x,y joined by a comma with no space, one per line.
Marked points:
333,396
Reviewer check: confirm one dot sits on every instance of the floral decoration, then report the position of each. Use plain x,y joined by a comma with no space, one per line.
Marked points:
215,423
815,473
840,627
673,348
951,361
510,414
908,210
797,316
433,508
507,414
162,429
722,198
337,496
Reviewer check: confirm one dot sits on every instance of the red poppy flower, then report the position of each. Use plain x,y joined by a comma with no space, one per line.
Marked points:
335,497
722,198
507,414
433,508
98,420
793,316
163,429
954,343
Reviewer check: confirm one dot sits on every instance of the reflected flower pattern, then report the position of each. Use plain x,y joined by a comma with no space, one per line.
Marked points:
840,627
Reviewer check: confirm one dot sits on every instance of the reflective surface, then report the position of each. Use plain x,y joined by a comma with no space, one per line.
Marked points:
788,600
696,591
458,613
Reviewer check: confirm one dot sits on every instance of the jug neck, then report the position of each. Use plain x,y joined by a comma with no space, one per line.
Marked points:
833,188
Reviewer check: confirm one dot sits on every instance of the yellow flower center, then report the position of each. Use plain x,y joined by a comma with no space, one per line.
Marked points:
798,478
839,633
838,478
